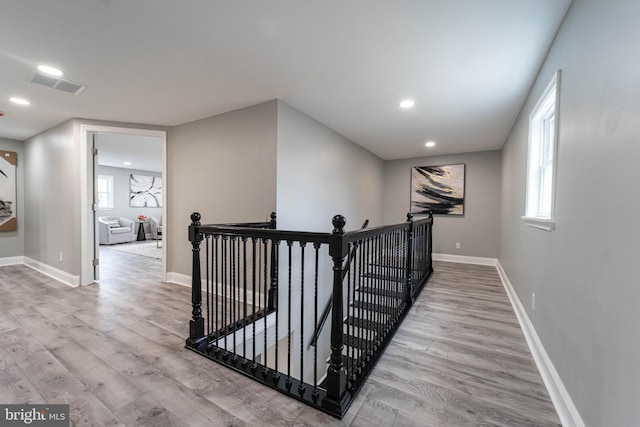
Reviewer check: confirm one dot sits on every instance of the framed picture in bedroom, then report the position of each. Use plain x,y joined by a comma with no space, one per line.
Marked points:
439,189
146,191
8,190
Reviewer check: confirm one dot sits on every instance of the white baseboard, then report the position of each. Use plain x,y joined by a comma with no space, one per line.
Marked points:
179,279
567,411
11,260
465,259
47,270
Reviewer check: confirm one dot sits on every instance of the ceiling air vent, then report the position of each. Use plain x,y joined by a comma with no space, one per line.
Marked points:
57,83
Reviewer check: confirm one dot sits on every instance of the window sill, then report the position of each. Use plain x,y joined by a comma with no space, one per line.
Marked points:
547,224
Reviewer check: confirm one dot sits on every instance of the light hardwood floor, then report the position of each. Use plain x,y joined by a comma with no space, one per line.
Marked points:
115,352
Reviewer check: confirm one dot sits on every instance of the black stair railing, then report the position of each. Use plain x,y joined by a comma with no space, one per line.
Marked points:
257,302
327,307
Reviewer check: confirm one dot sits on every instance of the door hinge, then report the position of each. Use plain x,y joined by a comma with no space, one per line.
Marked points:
96,262
95,151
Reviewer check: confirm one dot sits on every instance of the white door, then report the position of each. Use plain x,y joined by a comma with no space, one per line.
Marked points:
94,207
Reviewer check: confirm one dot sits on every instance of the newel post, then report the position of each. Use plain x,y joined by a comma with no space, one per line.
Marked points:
196,324
409,295
273,288
336,375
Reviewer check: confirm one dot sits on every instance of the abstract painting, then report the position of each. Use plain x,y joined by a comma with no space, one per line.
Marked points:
439,189
146,191
8,190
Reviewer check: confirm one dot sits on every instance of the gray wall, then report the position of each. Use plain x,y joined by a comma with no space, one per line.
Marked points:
12,242
121,193
477,231
584,273
321,174
52,198
52,192
223,167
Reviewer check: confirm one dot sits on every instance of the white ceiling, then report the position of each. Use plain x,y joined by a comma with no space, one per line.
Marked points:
468,64
143,152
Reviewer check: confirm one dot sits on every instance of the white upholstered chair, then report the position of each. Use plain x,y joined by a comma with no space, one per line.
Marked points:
113,229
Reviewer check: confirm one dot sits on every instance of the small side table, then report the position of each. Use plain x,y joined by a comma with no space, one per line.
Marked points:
141,235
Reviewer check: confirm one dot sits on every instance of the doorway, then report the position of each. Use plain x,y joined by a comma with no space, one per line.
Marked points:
114,143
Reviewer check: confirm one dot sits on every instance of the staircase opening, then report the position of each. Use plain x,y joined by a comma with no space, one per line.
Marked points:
258,298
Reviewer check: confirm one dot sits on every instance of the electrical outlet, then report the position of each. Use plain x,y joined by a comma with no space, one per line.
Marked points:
533,301
60,256
457,245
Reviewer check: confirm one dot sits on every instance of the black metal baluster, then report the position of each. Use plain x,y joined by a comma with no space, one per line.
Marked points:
238,289
402,243
265,250
379,249
216,256
254,320
234,302
388,283
206,263
224,283
393,279
316,393
349,306
370,297
352,335
301,385
275,247
288,380
244,302
397,277
374,296
384,307
362,294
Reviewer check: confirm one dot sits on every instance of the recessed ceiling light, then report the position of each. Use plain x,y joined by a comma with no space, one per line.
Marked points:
126,163
430,144
50,70
20,101
407,103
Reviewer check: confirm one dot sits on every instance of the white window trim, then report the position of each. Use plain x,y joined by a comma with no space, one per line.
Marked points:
111,182
543,222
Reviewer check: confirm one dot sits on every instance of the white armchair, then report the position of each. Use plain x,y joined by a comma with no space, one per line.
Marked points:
113,229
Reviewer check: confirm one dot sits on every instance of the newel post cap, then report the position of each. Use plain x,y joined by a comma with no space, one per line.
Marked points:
338,222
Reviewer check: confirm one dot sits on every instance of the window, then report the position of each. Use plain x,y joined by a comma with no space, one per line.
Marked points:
541,162
105,192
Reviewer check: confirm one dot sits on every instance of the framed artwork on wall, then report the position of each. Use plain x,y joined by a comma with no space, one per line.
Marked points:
146,191
439,189
8,190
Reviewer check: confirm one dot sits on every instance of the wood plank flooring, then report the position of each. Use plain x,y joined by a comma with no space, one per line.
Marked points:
115,352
